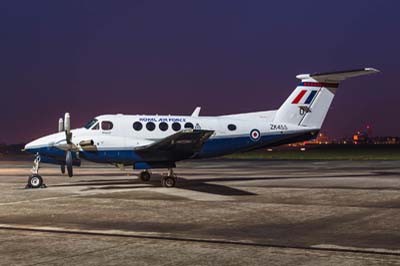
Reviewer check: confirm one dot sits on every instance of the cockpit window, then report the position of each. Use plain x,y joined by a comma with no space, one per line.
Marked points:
90,123
96,127
106,125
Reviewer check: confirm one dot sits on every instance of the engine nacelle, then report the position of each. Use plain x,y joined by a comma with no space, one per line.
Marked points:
86,143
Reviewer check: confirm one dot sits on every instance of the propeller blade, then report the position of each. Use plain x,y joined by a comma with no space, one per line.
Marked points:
67,147
60,125
67,122
67,128
68,162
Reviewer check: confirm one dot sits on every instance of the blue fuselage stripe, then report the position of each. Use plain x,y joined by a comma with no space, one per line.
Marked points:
211,148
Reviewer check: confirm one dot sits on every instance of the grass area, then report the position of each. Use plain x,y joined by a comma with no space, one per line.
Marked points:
326,152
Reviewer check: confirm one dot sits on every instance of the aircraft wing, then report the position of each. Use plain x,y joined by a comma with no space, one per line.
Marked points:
181,145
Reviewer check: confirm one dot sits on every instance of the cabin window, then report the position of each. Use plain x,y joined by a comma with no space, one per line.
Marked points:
106,125
232,127
163,126
137,126
150,126
90,123
176,126
189,125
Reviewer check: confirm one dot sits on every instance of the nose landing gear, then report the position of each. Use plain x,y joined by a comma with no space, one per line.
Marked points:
35,180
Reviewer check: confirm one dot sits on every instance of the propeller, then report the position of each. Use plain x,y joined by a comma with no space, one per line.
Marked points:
61,129
68,138
69,147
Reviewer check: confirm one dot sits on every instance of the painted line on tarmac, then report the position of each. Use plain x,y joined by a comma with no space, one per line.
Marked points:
329,246
168,237
41,199
188,194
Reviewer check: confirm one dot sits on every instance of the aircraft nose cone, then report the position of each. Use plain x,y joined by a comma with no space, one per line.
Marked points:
37,144
29,147
42,144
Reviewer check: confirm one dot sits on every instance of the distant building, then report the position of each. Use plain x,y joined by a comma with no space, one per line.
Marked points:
386,140
361,138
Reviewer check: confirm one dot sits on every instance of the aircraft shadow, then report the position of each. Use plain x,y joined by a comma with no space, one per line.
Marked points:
193,185
205,185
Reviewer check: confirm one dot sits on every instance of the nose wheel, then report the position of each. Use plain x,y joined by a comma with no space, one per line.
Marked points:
35,180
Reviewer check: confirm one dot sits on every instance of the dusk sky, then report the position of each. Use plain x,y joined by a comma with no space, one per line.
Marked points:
135,57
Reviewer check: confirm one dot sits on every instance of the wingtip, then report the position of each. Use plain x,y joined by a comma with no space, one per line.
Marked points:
371,69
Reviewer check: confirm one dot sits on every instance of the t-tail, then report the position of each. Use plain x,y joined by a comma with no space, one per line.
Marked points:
309,103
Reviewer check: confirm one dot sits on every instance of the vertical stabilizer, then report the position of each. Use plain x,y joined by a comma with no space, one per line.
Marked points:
309,103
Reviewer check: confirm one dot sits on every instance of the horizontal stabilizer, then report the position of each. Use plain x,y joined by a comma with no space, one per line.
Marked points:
336,77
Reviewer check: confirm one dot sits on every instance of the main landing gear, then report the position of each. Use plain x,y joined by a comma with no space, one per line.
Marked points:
35,180
168,180
145,175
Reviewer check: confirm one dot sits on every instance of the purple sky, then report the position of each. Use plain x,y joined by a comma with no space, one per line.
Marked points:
96,57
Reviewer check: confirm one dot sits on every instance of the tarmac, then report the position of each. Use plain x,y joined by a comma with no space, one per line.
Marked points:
222,212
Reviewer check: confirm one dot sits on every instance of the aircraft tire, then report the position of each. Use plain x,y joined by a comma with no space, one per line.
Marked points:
168,181
145,176
35,181
62,169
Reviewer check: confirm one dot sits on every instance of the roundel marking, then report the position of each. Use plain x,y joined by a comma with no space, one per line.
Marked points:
255,134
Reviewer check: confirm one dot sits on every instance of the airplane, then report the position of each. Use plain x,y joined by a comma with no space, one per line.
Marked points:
148,142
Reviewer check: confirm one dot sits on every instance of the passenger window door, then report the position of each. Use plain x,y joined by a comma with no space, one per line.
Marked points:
106,127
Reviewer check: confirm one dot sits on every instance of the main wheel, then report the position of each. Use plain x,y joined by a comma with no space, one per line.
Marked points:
35,181
145,176
168,181
62,169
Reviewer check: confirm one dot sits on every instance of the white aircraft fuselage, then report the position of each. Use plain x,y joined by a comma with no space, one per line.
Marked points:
232,133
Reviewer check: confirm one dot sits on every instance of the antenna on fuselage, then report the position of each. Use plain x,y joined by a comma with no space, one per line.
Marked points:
196,111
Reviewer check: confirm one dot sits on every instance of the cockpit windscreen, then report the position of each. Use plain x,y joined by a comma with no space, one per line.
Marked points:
90,123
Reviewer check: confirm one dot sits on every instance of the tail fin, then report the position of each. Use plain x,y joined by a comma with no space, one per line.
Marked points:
309,102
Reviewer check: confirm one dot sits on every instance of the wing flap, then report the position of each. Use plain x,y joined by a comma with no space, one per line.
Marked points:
181,145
